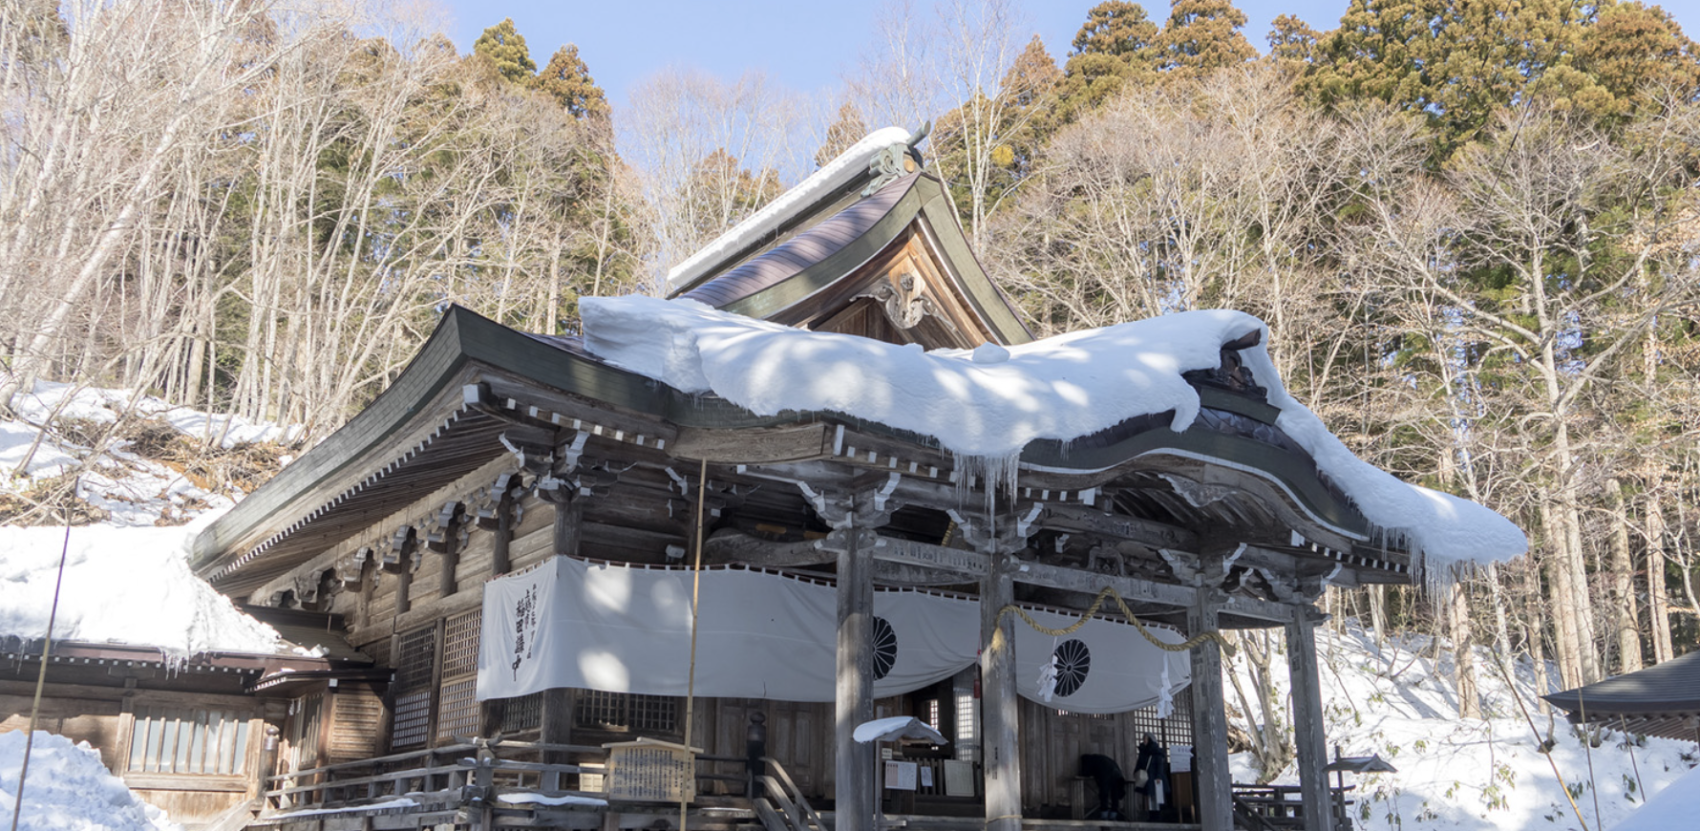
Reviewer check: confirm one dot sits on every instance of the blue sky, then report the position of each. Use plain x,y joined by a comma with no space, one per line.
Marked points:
803,44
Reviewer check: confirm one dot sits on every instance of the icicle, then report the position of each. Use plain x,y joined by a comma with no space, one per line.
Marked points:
994,473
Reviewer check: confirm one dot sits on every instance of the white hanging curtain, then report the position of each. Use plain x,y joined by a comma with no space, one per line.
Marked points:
573,623
1103,667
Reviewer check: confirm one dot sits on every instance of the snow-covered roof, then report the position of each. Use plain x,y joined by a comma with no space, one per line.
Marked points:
827,180
989,404
122,585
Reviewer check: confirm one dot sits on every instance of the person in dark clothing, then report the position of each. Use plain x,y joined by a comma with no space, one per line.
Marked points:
1111,787
1151,777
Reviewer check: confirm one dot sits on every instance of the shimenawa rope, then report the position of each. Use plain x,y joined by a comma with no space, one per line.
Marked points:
1110,591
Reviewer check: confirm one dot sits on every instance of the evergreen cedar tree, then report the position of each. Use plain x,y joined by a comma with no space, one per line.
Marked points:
1116,46
505,48
1458,61
1202,36
566,78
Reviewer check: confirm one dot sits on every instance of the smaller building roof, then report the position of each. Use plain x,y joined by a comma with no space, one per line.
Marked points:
832,178
801,251
1661,700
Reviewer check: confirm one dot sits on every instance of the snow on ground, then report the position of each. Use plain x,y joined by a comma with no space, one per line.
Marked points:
1460,774
131,489
122,585
68,788
988,404
1677,806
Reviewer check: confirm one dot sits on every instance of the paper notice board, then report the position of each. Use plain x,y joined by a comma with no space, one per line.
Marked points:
900,776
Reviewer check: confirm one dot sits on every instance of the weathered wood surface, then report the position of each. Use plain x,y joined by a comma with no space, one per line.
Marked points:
1309,738
763,444
1210,719
1000,702
855,691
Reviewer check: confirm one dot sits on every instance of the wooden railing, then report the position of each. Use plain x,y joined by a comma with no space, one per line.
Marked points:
440,774
1276,807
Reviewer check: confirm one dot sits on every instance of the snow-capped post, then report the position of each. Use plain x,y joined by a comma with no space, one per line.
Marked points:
853,519
1209,713
1309,741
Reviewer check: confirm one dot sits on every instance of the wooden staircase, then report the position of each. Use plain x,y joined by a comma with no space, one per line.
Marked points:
780,804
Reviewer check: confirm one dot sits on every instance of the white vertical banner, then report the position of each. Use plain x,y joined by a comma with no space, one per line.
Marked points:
513,643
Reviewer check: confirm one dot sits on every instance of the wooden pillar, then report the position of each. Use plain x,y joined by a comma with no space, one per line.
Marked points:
500,562
1210,718
557,721
502,524
999,703
1308,738
569,513
447,541
854,762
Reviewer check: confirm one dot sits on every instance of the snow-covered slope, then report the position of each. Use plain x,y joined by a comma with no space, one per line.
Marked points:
129,488
127,579
70,790
1468,774
988,404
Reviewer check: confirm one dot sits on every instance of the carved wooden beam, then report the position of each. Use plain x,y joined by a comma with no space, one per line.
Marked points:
1156,535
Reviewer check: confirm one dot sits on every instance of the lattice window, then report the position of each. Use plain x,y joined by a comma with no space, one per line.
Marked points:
460,644
627,712
522,713
1176,729
459,714
458,710
183,740
415,660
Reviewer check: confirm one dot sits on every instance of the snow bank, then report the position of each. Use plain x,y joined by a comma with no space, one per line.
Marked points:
1677,806
70,790
989,404
1457,774
832,176
122,585
105,406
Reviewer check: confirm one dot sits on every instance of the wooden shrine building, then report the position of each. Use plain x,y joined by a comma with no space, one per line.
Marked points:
1661,700
497,451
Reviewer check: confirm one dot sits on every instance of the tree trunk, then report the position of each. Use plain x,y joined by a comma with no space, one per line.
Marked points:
1561,599
1625,609
1534,631
1463,659
1658,597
